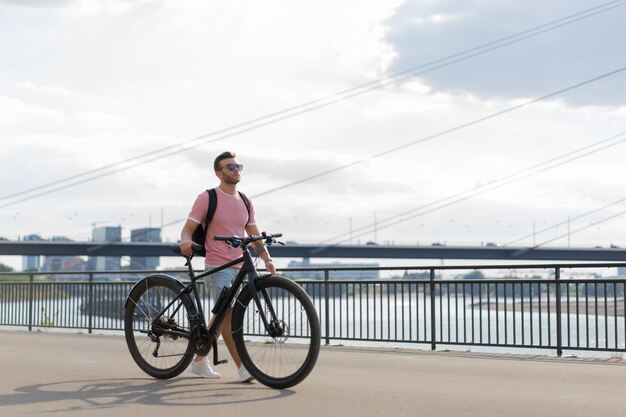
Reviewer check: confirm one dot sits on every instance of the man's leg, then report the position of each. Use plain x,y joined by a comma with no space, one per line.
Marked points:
227,334
201,365
215,283
198,358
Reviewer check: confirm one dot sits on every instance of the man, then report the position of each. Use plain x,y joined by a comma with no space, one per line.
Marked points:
233,217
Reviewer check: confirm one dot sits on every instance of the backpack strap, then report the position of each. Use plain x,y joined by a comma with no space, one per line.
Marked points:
212,207
247,203
199,234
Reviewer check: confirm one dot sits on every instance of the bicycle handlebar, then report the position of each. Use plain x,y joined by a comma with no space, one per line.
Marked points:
236,241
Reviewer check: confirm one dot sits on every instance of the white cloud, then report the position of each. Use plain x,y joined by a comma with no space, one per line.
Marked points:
16,112
581,46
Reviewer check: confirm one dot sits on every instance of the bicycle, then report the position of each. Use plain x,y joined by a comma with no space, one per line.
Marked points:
275,326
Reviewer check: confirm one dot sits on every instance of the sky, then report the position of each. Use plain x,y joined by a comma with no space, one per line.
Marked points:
399,122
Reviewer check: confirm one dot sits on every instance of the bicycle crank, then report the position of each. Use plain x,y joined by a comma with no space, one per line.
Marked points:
200,340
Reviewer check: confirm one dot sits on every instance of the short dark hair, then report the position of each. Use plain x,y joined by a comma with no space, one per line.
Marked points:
221,157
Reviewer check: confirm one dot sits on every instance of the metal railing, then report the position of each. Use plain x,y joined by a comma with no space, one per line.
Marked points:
562,307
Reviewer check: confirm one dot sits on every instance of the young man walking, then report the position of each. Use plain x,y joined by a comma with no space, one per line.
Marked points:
233,216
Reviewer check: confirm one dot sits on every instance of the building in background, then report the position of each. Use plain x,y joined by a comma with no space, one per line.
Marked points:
346,275
31,262
106,234
621,271
146,234
64,264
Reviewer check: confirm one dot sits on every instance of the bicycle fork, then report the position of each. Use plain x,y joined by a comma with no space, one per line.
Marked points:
272,325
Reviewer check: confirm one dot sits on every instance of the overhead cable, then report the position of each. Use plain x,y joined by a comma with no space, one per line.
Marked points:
306,107
592,224
482,189
444,132
557,225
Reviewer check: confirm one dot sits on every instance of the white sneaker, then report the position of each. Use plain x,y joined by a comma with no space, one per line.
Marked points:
244,375
203,369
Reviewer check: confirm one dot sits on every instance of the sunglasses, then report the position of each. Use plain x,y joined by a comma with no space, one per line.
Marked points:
232,167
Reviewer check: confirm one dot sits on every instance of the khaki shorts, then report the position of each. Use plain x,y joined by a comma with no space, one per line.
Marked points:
215,282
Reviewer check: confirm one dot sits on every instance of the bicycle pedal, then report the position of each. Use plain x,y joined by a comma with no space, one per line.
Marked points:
223,361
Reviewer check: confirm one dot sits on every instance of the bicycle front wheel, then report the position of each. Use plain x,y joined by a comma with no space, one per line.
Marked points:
283,355
161,347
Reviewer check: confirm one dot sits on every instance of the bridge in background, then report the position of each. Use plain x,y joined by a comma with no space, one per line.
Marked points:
11,248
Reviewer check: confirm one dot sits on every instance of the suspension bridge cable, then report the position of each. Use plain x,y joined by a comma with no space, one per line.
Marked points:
442,133
475,191
318,103
557,225
457,200
592,224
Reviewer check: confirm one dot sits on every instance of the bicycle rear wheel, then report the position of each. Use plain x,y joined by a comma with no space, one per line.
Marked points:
161,348
284,356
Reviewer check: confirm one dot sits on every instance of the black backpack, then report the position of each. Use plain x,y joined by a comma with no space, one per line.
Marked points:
199,235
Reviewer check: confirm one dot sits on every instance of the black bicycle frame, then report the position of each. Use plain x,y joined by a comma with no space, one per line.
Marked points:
199,320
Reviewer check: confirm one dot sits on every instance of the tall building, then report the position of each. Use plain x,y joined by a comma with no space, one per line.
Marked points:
621,271
106,263
146,234
31,263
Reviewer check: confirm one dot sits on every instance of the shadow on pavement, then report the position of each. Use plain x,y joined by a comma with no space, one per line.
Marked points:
107,393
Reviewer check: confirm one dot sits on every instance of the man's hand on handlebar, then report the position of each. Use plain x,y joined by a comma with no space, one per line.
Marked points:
185,248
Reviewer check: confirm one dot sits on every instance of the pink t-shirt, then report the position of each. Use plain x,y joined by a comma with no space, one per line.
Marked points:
230,219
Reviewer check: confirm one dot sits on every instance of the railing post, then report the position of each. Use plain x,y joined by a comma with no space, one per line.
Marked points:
31,279
327,305
433,326
90,303
559,330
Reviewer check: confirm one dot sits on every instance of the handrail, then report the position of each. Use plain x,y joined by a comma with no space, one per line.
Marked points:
553,312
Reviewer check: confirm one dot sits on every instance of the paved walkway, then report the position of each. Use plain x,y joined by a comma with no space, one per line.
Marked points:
51,374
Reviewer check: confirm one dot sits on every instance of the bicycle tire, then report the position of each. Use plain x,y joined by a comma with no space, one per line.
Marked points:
286,359
163,356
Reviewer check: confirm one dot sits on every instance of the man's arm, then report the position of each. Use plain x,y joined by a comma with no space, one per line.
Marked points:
185,237
261,249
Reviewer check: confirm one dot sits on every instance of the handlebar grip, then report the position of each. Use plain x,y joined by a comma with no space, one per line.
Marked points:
175,247
222,238
277,235
197,249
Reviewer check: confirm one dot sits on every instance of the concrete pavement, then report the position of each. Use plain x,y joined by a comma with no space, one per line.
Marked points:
47,374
